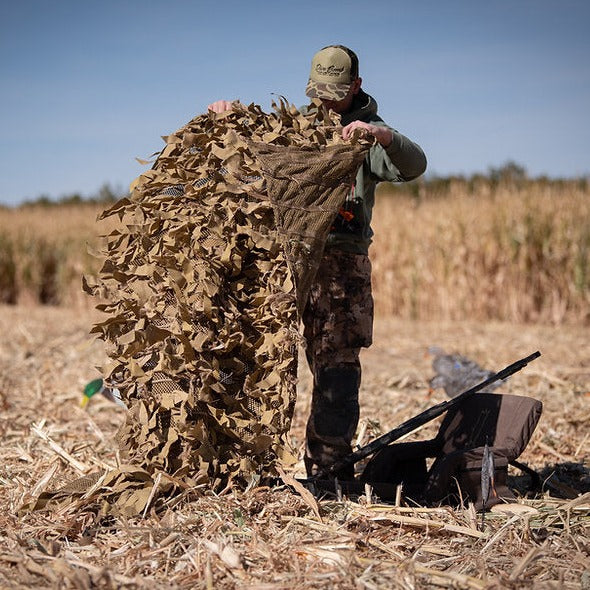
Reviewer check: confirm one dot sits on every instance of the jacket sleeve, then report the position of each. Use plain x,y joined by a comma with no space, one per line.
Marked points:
402,160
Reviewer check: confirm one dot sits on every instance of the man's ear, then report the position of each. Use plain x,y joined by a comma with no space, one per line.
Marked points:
356,85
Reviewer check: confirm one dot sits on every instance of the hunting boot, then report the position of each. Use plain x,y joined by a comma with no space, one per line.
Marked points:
333,419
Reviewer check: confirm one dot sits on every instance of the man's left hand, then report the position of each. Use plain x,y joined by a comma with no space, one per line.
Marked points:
384,135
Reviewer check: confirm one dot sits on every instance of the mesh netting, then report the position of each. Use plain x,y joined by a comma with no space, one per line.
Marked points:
202,282
306,186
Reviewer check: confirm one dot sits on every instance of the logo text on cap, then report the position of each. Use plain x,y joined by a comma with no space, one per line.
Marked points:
329,70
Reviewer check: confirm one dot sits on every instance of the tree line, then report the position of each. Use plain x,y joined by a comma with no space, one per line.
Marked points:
509,174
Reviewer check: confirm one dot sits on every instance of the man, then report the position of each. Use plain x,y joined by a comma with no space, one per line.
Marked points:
338,319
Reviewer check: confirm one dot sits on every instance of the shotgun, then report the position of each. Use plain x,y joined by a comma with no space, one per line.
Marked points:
419,420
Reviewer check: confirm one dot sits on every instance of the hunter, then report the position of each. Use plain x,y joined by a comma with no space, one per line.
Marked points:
338,318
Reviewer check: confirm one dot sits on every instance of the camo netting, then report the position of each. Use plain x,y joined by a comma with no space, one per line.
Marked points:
203,282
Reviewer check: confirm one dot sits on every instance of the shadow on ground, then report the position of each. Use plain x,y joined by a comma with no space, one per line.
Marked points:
562,480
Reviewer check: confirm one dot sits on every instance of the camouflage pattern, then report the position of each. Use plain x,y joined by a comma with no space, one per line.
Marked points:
202,279
339,311
327,90
338,322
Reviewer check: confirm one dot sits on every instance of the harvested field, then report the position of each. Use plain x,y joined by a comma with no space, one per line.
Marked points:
274,538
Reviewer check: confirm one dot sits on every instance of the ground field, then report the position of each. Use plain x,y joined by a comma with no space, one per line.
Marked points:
273,538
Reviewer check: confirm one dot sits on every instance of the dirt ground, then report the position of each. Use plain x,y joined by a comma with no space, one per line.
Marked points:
274,538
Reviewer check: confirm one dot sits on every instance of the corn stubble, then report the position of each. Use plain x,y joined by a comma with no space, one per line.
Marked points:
270,537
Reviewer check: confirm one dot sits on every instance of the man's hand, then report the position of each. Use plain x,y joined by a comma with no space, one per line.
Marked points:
383,134
221,106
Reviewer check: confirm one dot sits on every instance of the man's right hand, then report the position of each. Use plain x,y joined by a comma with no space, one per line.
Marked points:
221,106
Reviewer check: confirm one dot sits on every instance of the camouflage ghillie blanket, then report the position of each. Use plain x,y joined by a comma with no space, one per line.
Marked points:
203,282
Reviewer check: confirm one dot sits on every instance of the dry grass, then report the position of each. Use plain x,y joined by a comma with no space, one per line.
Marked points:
505,252
44,251
272,538
512,253
516,254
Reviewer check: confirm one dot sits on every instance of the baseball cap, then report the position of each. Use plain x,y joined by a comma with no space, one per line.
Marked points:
333,69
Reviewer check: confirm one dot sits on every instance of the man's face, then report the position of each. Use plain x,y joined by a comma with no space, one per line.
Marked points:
343,106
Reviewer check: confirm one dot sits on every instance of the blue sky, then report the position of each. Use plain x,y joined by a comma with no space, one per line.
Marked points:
86,87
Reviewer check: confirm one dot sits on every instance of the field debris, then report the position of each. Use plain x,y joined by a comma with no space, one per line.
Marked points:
271,537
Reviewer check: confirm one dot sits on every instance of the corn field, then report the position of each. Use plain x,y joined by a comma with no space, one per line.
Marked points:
494,251
512,253
45,250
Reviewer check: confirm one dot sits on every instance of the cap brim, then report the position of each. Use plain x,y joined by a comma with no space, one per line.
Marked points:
326,91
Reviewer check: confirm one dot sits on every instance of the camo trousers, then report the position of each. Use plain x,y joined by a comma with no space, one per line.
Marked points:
338,322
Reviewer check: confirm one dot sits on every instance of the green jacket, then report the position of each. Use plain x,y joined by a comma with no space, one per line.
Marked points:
401,161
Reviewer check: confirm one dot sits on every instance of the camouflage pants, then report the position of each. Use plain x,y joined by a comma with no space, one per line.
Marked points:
338,322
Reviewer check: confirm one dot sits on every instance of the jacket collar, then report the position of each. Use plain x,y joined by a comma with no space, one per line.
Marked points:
363,108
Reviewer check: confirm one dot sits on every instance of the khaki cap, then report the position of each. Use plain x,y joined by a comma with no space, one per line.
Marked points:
332,73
